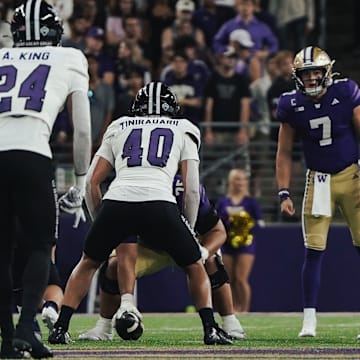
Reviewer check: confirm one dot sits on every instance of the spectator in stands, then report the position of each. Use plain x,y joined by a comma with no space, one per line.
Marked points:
241,215
282,83
265,16
95,40
196,67
129,54
265,41
260,114
118,10
101,97
246,64
135,81
160,15
182,25
134,33
227,100
188,91
209,18
78,28
295,20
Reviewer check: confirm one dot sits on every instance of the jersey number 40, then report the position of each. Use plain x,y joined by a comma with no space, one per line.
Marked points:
161,140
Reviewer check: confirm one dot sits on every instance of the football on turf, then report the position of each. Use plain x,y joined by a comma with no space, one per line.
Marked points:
129,326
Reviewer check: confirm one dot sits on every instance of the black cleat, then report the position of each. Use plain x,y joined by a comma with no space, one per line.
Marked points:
59,335
216,336
9,352
25,340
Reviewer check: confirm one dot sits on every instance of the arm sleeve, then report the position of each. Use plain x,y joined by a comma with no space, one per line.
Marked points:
191,192
88,198
82,131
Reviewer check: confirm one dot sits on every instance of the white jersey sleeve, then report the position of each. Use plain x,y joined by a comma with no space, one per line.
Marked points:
191,144
105,150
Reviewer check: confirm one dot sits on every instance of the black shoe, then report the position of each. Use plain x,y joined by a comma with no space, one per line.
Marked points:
9,352
216,336
59,335
25,340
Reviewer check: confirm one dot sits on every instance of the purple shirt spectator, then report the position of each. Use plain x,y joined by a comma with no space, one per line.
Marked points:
260,33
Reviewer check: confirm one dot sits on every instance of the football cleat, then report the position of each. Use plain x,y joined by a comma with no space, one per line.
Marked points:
309,327
9,352
49,317
234,329
58,335
25,340
129,326
103,330
216,336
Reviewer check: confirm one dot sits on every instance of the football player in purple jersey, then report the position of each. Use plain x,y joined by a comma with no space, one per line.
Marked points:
325,113
212,234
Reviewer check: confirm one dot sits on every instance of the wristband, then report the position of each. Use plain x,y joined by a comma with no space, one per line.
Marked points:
283,194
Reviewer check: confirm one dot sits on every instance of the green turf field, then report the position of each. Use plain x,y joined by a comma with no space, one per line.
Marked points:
179,336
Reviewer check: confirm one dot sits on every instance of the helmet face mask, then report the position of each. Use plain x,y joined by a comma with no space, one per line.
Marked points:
155,98
35,23
312,58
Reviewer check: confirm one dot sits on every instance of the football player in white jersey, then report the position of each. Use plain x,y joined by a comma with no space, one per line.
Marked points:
37,78
145,149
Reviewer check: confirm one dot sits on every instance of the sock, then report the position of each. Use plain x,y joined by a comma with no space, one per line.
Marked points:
35,279
311,275
207,317
64,317
52,304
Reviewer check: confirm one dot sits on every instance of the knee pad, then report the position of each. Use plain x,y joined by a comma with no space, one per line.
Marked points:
220,277
54,277
107,285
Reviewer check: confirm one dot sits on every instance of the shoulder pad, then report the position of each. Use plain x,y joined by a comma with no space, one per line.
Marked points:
191,130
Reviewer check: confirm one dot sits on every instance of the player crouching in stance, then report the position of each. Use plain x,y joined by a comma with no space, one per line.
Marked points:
145,149
212,234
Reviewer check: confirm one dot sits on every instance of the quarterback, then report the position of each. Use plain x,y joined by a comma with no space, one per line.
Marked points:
145,150
212,235
325,113
38,78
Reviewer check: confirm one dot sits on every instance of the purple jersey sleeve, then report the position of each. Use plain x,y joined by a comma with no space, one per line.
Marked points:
325,127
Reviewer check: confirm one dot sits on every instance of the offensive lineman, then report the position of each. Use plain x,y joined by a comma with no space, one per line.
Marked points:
37,78
325,113
213,235
145,150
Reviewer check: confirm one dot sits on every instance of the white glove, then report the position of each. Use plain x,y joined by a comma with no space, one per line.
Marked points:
129,308
71,203
204,253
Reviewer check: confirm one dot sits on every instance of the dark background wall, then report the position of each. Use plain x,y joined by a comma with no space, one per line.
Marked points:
275,280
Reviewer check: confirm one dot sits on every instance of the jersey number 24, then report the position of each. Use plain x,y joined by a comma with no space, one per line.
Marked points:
32,88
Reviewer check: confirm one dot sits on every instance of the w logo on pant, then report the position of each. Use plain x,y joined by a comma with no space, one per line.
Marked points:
322,177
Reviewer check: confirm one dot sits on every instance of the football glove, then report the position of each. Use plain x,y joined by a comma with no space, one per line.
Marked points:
127,307
71,203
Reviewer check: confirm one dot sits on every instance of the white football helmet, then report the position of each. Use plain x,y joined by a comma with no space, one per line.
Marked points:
313,57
